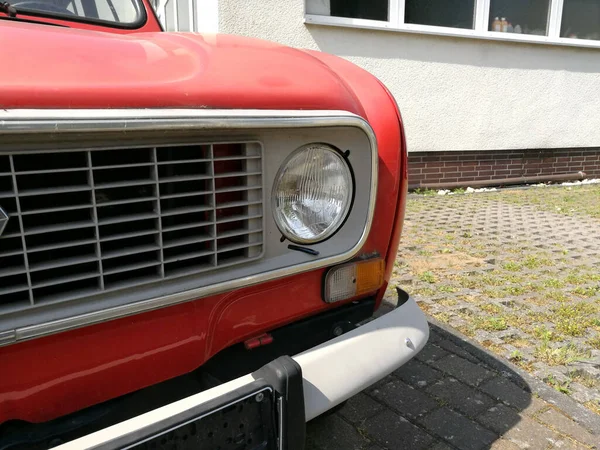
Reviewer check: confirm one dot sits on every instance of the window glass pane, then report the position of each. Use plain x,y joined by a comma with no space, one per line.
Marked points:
117,11
356,9
581,19
441,13
518,16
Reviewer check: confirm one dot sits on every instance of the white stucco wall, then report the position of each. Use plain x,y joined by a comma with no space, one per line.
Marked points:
454,93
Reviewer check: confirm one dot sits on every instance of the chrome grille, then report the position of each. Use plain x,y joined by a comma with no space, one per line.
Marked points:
87,222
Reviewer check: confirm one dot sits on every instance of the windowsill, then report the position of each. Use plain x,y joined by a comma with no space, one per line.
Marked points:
443,31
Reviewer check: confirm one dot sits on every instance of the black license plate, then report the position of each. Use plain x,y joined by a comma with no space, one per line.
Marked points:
246,419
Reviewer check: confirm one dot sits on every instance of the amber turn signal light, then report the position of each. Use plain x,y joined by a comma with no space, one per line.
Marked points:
353,279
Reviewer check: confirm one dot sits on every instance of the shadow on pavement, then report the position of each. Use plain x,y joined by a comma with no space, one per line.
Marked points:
453,394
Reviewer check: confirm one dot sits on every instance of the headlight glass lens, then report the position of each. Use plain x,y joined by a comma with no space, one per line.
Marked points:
312,194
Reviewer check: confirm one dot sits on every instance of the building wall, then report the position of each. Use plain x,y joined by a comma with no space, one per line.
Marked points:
444,169
455,94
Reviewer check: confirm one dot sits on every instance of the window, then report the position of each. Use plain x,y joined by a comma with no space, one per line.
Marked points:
121,12
441,13
517,16
581,19
355,9
565,22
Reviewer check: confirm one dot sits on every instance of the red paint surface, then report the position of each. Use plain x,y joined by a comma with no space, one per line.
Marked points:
49,377
99,70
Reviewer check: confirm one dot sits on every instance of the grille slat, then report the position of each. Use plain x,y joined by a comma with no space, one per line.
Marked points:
185,226
182,178
51,171
236,204
10,271
116,237
53,210
130,218
88,222
239,218
238,188
125,201
235,158
131,267
235,174
184,161
66,279
14,289
187,210
234,233
186,241
187,256
70,244
62,262
129,251
124,166
52,228
121,184
58,190
185,194
230,247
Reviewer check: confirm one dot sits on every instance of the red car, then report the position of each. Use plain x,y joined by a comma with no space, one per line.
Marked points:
192,227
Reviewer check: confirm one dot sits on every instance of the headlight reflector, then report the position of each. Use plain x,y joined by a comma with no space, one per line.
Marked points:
312,194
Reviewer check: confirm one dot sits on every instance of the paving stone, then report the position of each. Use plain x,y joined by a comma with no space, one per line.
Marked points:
520,430
418,374
453,348
564,425
359,408
499,418
568,444
507,392
405,399
461,397
441,446
503,444
529,434
382,382
310,445
536,405
332,432
431,353
463,370
460,431
435,337
395,432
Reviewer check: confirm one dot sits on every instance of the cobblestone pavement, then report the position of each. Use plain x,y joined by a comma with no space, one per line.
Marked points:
456,395
521,280
513,294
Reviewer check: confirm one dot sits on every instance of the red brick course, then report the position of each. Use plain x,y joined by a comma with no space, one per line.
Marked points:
426,168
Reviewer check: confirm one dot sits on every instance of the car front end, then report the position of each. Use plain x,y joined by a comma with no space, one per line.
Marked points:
193,222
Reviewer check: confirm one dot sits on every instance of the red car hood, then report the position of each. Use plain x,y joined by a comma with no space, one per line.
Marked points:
51,67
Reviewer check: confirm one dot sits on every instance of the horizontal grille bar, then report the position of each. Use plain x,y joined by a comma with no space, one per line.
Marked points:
88,222
62,262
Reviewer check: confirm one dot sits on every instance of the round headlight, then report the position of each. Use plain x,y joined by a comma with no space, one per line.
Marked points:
312,194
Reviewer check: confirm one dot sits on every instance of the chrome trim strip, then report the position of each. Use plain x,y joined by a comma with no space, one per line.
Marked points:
28,122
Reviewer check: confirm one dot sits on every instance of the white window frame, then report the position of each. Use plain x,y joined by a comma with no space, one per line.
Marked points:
482,10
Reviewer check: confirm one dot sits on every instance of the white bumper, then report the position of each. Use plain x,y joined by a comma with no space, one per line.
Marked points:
332,372
338,369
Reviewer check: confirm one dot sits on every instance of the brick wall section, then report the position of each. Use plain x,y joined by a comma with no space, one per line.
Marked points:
426,168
